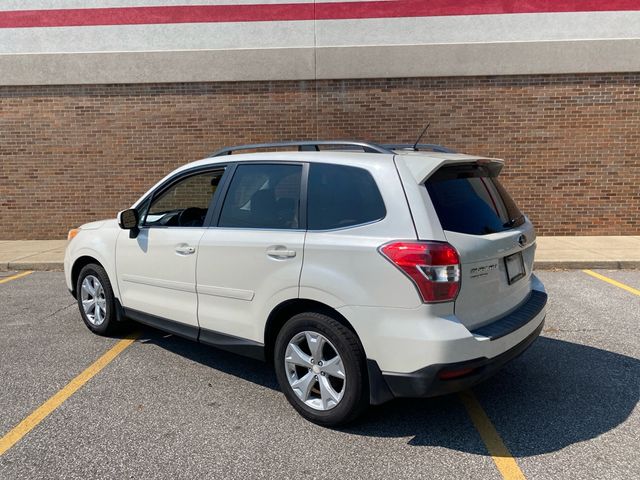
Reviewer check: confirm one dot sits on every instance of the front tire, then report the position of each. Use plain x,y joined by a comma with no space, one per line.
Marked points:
321,369
96,300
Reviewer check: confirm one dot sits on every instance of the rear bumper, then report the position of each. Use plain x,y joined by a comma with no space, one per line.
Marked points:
447,357
426,382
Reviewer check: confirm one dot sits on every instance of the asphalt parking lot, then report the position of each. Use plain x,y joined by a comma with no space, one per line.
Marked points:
169,408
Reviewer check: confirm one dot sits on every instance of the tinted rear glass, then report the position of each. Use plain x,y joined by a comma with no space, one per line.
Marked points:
468,200
341,196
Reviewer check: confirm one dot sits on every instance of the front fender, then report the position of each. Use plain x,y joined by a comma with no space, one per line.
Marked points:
98,244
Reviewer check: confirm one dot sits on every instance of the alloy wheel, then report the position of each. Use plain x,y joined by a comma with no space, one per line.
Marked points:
93,299
315,370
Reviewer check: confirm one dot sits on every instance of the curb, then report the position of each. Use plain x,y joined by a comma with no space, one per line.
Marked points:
538,265
585,264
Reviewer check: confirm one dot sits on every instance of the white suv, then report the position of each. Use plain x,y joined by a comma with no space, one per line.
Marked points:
391,271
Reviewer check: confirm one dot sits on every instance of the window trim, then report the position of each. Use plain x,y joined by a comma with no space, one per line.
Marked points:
231,170
170,182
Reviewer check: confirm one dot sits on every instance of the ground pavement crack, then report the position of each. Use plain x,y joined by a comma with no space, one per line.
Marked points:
58,311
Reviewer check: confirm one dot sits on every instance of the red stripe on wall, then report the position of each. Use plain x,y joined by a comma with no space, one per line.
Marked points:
433,8
155,15
298,11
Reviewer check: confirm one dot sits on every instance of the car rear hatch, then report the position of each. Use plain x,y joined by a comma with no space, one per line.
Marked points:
495,242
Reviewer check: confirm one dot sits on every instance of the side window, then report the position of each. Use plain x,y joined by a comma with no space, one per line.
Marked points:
185,203
341,196
263,196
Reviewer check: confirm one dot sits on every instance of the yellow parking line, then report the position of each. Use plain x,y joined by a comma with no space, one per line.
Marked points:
507,465
39,414
14,277
612,282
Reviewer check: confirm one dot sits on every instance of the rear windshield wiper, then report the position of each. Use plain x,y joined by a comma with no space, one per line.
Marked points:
513,221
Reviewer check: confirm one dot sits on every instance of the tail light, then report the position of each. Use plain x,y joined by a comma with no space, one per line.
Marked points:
434,267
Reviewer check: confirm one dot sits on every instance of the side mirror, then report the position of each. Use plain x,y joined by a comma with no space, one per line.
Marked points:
128,219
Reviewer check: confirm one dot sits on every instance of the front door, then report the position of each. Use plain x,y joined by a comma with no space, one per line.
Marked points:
157,269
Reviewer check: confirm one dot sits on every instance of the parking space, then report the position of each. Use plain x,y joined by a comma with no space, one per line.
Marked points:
630,277
169,408
569,405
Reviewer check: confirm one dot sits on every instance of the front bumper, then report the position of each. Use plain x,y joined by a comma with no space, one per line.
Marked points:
67,270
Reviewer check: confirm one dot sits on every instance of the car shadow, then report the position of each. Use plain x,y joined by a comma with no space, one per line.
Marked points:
556,394
244,368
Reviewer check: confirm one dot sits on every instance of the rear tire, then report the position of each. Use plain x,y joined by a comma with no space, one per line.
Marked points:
96,300
321,369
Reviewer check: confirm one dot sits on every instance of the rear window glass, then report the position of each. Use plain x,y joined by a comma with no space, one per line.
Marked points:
263,196
341,196
469,200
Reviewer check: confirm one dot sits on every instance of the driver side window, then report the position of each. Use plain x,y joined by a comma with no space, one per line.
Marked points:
185,203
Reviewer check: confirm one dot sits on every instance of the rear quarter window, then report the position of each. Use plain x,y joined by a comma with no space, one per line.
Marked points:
469,200
341,196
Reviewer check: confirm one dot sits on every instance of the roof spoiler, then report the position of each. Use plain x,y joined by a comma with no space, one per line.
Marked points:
492,164
422,168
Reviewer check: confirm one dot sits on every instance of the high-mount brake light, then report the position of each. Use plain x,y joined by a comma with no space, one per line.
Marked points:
434,267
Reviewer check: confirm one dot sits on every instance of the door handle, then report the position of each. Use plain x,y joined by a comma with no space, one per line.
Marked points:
185,250
280,252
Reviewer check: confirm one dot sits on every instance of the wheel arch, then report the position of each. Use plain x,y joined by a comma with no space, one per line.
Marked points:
78,264
287,309
378,390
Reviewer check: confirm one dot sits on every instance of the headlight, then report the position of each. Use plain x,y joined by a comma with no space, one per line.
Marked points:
72,233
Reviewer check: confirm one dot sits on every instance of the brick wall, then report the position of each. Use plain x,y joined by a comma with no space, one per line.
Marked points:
70,154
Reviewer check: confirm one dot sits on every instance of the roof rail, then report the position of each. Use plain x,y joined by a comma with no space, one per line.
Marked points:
431,147
309,146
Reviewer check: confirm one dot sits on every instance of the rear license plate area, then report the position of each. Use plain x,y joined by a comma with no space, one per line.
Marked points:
514,265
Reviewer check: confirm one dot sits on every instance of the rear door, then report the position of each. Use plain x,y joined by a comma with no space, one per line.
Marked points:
495,241
250,258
